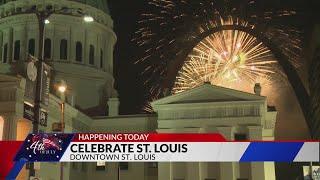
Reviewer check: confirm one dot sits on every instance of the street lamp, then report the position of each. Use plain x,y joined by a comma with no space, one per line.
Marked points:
62,89
88,19
42,17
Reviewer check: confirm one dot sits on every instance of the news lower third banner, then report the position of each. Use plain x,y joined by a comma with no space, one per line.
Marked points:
91,147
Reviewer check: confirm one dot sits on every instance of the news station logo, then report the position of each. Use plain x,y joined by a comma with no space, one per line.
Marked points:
44,144
44,147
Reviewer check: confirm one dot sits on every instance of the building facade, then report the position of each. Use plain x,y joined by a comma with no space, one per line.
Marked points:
205,109
81,54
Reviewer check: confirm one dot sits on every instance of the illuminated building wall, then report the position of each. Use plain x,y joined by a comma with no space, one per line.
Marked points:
81,53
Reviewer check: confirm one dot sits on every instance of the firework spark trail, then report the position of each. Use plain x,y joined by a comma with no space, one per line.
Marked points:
228,58
170,25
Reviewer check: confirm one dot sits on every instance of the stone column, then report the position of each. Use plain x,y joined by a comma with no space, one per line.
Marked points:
203,170
55,53
1,45
164,171
23,44
72,45
227,169
193,170
97,52
9,127
113,104
209,169
109,53
179,170
10,45
257,170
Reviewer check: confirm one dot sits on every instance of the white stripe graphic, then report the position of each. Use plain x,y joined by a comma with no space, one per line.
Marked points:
308,152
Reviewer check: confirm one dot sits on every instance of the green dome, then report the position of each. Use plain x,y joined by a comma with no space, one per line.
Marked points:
99,4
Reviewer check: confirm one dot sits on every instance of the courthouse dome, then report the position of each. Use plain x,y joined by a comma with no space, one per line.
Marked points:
81,53
99,4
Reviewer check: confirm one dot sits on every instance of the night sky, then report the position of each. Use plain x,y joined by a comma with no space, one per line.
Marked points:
128,75
129,83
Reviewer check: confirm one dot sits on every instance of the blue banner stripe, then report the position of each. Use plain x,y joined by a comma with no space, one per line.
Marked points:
271,151
16,169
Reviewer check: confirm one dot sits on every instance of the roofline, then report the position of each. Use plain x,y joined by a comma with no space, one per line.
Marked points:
123,116
201,86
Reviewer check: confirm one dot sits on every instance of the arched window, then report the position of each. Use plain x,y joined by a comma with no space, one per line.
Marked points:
78,51
47,48
101,58
5,53
31,46
91,55
63,49
16,53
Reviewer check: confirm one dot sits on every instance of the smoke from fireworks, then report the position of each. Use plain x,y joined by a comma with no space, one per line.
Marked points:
229,58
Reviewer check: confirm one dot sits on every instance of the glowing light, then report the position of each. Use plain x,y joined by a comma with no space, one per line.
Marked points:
230,58
62,88
46,21
88,19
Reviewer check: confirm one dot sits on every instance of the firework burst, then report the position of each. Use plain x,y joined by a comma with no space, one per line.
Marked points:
229,58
